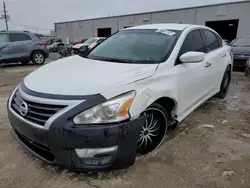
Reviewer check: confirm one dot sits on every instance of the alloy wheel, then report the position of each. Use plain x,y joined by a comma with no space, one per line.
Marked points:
39,58
153,131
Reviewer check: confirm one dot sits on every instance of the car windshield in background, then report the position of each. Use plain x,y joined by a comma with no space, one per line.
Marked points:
89,41
244,41
136,46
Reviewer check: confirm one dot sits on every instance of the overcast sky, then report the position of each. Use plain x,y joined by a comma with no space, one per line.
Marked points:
41,14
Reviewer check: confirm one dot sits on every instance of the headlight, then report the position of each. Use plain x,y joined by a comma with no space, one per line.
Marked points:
114,110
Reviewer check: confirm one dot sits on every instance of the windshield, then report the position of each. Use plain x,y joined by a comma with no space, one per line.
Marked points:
136,46
89,41
244,41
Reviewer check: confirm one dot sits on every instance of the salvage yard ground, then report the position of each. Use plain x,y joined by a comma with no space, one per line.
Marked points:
211,148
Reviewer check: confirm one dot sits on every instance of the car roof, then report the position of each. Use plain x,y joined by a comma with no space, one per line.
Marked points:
171,26
99,38
96,38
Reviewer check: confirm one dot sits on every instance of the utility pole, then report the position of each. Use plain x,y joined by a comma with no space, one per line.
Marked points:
5,16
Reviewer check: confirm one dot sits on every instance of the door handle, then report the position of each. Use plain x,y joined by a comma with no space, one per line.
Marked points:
208,64
223,55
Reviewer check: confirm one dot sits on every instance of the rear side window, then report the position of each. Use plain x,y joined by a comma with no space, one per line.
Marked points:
4,38
212,40
14,37
193,42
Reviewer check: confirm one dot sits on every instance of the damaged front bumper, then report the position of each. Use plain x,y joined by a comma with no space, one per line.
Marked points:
86,148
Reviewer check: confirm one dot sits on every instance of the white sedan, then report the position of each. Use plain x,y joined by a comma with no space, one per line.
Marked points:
88,43
97,111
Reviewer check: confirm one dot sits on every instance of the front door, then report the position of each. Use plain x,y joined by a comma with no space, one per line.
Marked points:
6,48
193,79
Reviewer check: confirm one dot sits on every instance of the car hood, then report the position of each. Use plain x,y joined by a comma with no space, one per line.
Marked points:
79,45
241,50
80,76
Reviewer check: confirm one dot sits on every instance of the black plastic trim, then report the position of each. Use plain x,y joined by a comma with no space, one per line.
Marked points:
14,134
60,97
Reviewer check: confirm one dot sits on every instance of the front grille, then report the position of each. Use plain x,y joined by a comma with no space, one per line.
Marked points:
37,112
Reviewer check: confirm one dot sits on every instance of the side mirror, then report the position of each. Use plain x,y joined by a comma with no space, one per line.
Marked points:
192,57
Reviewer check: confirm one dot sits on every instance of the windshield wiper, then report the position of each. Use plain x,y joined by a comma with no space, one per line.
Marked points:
113,60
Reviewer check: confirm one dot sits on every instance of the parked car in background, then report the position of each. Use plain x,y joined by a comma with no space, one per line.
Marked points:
53,44
87,43
79,42
97,112
65,50
241,51
96,43
18,46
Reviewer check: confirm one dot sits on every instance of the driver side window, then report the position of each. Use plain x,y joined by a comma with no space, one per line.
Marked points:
193,42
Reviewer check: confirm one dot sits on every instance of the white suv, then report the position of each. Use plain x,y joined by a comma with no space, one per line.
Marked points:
98,111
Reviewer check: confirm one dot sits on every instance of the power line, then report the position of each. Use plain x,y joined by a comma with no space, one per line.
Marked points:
27,26
5,16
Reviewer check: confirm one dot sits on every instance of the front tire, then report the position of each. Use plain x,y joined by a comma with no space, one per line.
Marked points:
225,83
38,58
154,129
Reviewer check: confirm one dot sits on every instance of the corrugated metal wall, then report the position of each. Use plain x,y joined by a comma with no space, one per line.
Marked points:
85,29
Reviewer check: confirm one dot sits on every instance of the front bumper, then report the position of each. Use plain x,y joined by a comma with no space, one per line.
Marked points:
76,51
58,144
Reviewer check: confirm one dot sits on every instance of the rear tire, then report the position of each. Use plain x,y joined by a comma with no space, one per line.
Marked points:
154,129
38,58
225,83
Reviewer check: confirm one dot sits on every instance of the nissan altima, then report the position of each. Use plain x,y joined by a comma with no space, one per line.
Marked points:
99,110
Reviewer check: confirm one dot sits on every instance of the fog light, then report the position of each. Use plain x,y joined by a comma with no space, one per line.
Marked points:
90,153
97,161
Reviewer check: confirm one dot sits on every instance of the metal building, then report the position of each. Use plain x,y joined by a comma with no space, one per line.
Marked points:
229,20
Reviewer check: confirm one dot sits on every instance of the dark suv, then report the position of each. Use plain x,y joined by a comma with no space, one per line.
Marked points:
18,46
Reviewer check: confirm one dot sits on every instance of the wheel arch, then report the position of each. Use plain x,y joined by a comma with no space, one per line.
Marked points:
169,104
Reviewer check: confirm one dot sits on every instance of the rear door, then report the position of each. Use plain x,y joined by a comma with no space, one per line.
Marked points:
6,48
217,55
23,44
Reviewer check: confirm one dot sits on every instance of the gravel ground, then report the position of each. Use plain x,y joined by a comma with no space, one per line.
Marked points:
211,148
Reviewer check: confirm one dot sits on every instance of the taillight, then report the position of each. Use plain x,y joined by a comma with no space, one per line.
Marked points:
45,44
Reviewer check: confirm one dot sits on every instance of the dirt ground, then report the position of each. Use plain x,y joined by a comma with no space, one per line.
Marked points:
211,148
